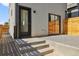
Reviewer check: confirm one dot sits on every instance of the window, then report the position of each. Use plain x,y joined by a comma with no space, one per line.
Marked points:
72,12
54,24
52,17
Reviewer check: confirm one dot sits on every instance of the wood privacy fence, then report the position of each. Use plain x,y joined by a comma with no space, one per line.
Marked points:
3,29
71,26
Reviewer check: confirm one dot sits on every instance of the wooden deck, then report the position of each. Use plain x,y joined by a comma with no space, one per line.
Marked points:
15,47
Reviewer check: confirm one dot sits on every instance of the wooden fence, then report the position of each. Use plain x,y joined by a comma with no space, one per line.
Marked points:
71,26
3,29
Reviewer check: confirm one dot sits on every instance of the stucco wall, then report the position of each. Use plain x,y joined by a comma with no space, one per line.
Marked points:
40,18
11,19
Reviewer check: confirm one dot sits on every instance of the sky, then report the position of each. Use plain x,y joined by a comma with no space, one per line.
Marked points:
4,12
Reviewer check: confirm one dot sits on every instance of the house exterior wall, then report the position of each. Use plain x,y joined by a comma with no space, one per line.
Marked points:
11,19
40,18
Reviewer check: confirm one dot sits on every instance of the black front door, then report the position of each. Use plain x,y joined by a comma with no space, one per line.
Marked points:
24,22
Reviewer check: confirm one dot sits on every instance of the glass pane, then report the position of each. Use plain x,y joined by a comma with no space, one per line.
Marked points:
56,24
52,17
24,20
56,17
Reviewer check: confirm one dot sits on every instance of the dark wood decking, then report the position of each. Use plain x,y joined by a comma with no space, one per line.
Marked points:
12,47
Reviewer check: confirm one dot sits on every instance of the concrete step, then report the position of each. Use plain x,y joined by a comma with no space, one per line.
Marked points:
42,52
34,47
55,53
33,39
40,46
50,54
46,51
36,42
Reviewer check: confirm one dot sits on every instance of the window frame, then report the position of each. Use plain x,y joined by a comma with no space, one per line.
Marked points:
49,20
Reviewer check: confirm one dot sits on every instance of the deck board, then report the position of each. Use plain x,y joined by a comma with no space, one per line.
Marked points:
11,47
8,47
0,46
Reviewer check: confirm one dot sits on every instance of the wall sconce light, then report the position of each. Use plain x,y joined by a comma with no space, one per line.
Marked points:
34,11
